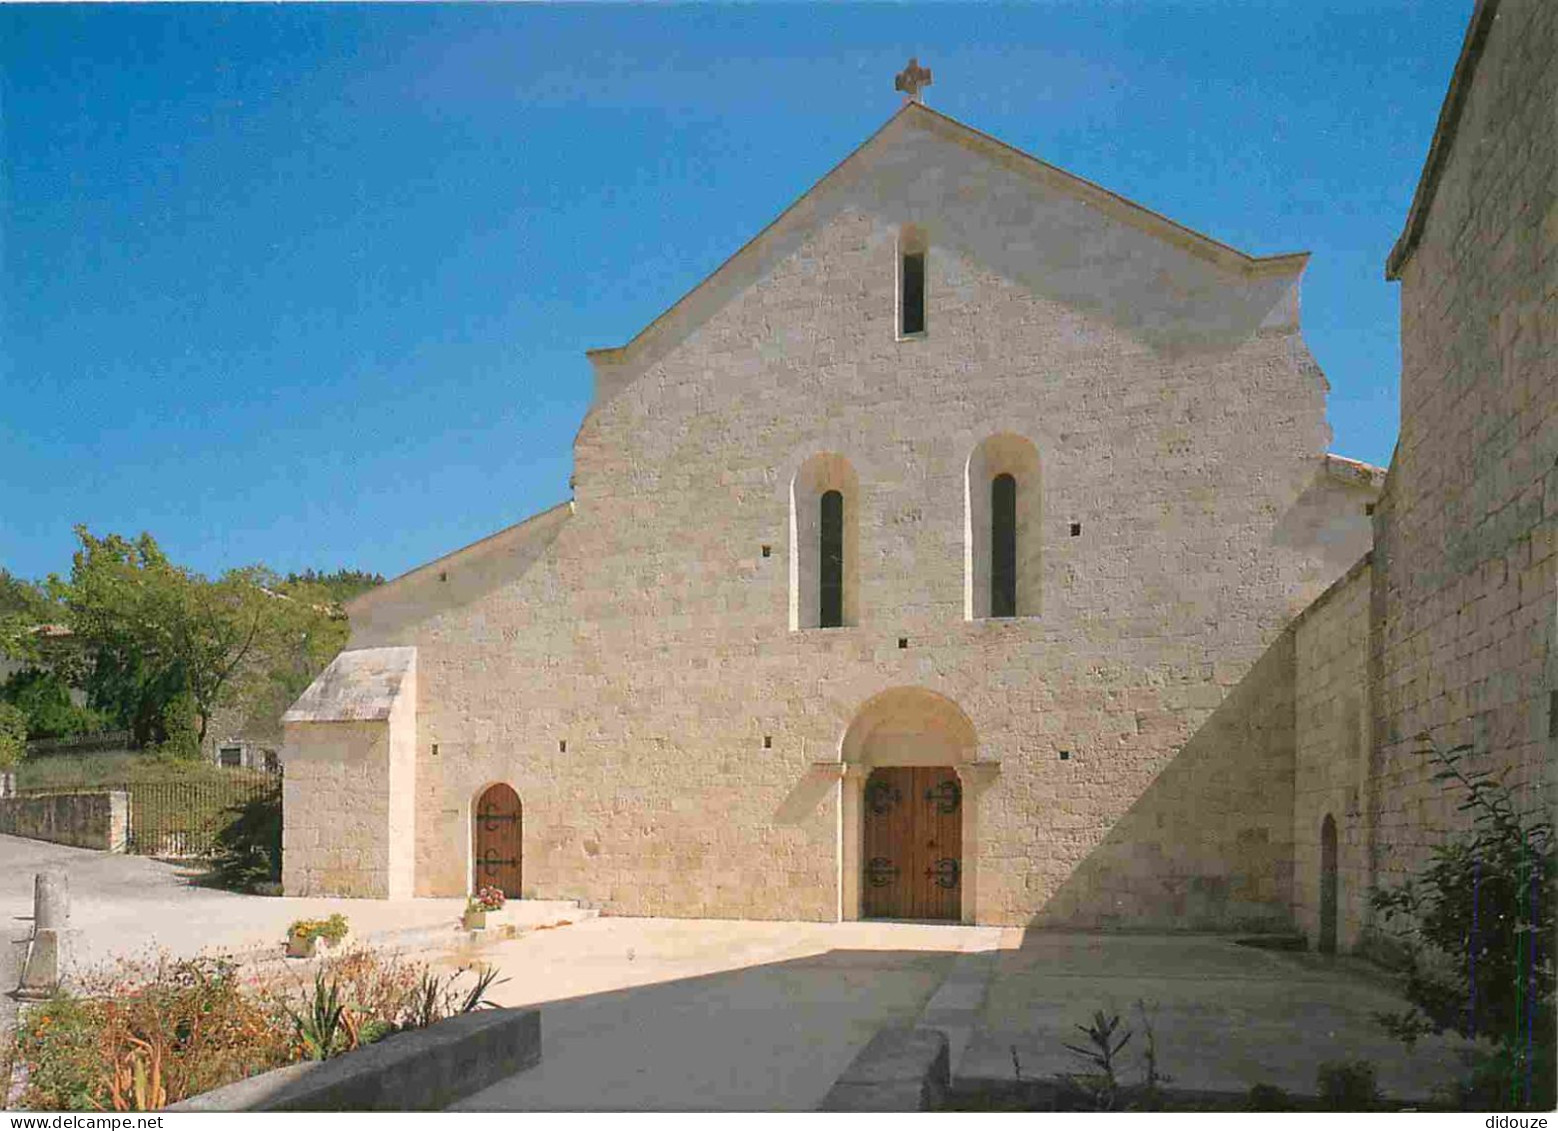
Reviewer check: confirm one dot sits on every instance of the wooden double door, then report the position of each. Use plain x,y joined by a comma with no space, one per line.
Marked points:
913,853
499,824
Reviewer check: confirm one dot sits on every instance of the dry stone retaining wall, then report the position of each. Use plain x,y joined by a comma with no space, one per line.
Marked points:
85,820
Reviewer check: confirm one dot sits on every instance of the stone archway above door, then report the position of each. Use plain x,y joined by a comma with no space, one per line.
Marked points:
909,726
912,729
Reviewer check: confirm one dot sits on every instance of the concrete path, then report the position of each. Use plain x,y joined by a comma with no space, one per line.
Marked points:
132,905
1225,1016
710,1015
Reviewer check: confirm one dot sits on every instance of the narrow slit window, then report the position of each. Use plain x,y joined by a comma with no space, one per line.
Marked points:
831,571
912,312
1003,546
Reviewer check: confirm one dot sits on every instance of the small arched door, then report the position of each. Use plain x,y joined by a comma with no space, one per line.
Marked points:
498,836
1328,885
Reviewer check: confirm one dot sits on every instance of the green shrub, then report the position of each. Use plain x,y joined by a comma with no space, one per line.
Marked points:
13,735
1267,1097
45,699
320,1024
181,728
1475,929
1347,1085
146,1036
1099,1089
142,1035
248,847
58,1045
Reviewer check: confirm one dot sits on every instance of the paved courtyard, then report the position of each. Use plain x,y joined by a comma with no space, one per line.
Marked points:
1225,1016
710,1015
668,1014
123,905
665,1015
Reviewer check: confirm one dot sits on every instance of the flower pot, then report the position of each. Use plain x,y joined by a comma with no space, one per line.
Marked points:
302,946
475,920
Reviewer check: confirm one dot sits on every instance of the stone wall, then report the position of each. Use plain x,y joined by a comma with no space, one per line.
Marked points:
349,791
1465,589
1208,844
1332,765
85,820
336,800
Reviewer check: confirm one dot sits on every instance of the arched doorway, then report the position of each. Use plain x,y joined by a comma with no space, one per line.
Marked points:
908,827
1328,885
498,827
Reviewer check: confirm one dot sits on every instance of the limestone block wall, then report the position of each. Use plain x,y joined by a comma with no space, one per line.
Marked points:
637,681
85,820
1332,765
1208,843
401,780
1465,585
349,793
336,801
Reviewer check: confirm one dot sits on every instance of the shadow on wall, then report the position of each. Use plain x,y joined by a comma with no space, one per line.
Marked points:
809,795
1208,845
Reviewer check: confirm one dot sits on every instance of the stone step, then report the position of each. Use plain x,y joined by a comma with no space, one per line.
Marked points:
522,915
517,916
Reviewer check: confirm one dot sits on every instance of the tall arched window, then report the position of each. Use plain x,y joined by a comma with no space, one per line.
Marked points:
1003,546
824,543
911,282
1001,532
830,603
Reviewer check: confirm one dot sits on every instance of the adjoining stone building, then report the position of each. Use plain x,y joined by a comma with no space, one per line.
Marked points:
946,553
1451,627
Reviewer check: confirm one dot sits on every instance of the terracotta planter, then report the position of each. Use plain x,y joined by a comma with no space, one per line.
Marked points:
302,946
475,920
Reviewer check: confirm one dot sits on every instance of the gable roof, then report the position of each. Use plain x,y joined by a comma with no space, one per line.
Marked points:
1444,136
751,260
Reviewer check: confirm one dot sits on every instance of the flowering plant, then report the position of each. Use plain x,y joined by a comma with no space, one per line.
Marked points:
487,899
332,930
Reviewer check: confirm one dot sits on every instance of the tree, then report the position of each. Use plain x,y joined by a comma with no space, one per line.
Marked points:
159,632
24,606
338,587
309,631
13,735
44,698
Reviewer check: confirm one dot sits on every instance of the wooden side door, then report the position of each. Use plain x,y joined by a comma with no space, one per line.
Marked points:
499,824
913,832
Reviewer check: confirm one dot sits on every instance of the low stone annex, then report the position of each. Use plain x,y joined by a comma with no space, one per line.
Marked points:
966,547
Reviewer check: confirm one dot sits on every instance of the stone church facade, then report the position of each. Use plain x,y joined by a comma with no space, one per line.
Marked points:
945,554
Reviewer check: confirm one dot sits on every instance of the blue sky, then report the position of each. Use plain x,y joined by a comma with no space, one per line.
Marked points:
312,285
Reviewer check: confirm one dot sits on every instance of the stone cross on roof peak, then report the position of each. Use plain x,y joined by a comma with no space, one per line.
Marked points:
911,79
